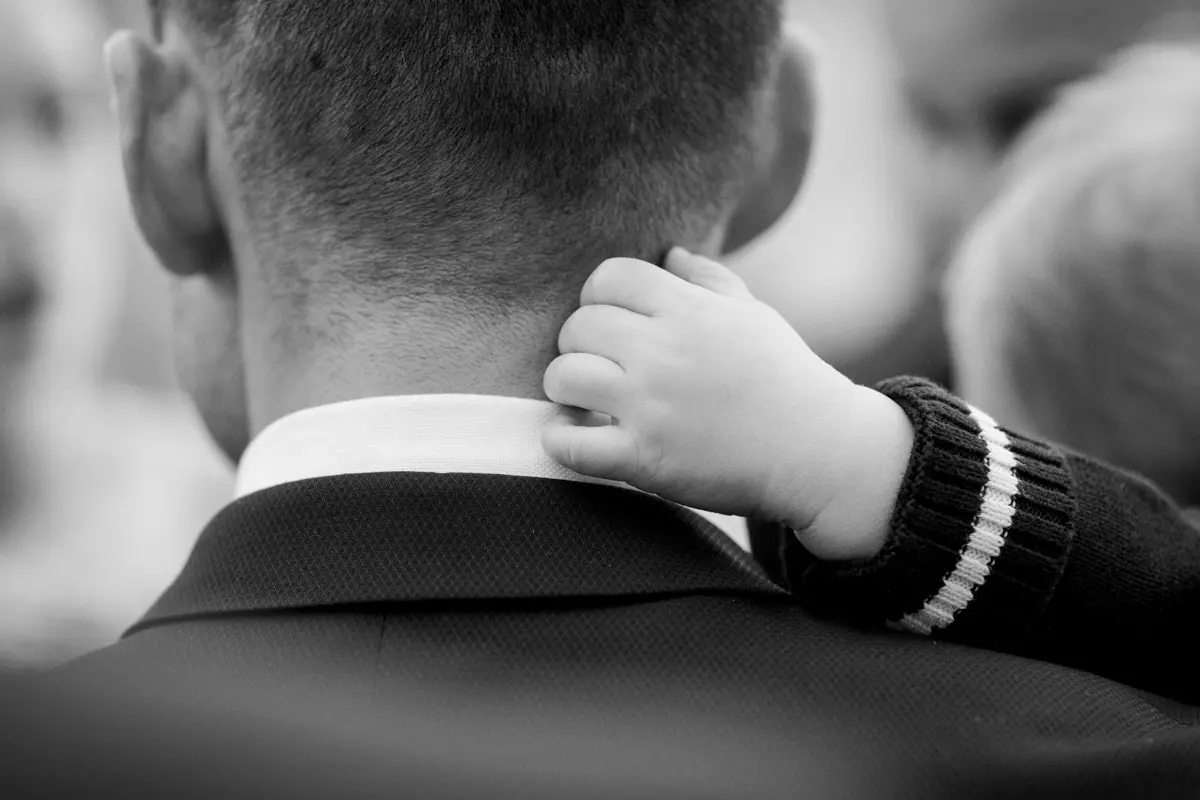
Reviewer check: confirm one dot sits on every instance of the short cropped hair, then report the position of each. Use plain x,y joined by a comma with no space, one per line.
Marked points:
549,128
1074,305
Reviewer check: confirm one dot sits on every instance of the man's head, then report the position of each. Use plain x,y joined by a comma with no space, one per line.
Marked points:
323,171
1074,306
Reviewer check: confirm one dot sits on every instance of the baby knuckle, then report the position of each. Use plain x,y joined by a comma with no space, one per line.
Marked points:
571,330
575,453
555,381
649,458
609,273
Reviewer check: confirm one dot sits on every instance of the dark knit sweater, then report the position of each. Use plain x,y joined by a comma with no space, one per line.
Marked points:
1008,543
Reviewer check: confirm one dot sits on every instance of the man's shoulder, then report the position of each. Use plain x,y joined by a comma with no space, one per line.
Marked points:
236,739
670,674
194,657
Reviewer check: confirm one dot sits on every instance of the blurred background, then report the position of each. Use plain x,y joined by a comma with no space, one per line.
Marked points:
106,476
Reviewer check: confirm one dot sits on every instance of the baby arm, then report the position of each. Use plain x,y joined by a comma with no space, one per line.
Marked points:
917,510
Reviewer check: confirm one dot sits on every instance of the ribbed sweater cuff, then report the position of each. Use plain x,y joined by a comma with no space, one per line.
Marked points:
980,535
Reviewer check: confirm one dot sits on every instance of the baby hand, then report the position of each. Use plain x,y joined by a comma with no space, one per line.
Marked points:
716,403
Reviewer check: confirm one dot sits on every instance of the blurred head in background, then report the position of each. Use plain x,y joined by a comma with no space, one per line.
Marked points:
65,235
918,102
48,93
364,198
32,118
104,474
975,73
1074,304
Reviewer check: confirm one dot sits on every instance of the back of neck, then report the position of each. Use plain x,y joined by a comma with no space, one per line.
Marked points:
402,354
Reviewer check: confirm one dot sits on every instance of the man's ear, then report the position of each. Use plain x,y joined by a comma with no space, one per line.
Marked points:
161,110
779,173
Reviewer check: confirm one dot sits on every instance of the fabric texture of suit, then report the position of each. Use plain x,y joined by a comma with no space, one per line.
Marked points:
551,594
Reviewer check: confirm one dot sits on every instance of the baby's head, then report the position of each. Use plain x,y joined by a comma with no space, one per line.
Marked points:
1074,303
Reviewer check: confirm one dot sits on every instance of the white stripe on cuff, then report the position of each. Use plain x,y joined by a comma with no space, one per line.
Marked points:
988,535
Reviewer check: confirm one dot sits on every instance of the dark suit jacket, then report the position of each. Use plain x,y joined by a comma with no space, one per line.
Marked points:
519,593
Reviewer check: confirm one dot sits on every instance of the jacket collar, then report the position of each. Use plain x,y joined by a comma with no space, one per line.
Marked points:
409,537
441,433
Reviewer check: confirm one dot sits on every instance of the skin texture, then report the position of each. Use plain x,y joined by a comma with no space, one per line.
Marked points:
712,400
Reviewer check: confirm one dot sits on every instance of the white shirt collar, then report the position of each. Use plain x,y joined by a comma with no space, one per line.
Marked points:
414,433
